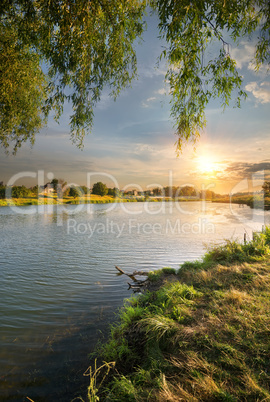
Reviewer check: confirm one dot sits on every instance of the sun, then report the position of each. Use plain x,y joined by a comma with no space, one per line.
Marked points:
205,164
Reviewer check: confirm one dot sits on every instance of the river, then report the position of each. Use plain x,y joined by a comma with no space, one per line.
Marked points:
60,289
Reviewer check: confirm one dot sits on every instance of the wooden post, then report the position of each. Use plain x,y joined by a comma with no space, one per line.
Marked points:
245,238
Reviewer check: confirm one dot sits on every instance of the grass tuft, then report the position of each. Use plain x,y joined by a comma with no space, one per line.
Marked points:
169,271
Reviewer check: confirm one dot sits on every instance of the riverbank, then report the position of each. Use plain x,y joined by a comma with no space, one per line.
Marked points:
54,200
200,334
257,201
88,199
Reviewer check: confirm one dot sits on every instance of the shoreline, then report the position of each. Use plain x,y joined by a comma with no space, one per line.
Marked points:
20,202
252,202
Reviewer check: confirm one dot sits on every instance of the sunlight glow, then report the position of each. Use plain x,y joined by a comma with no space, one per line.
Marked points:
205,164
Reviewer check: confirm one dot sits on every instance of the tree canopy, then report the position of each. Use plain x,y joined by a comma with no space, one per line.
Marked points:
100,188
52,52
266,188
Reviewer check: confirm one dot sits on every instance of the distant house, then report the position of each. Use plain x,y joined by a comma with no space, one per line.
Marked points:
131,192
47,189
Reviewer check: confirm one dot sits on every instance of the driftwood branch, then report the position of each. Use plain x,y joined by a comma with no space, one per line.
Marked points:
120,270
142,273
138,284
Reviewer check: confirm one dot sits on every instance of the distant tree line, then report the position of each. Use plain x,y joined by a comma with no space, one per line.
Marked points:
101,189
15,191
62,189
266,188
58,186
183,191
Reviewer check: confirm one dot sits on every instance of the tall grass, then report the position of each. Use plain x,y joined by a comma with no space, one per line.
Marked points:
52,199
233,251
203,337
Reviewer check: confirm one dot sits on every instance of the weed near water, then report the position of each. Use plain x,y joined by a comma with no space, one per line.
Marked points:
156,275
232,251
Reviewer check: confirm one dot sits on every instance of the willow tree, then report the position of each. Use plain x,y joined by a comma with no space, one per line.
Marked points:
58,51
190,28
22,90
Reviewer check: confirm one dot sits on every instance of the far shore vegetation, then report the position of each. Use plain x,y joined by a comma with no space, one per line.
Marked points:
197,334
58,192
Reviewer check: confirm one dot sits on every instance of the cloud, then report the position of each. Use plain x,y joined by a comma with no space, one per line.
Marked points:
139,148
243,54
227,171
161,91
240,170
105,101
260,92
263,70
148,101
149,68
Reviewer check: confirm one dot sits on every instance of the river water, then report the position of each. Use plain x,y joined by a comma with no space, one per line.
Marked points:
60,289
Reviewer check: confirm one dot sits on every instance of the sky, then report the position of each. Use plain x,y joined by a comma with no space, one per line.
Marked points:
132,144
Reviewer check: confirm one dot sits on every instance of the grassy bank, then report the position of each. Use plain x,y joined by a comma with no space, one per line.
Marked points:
253,201
92,199
54,200
201,334
257,201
